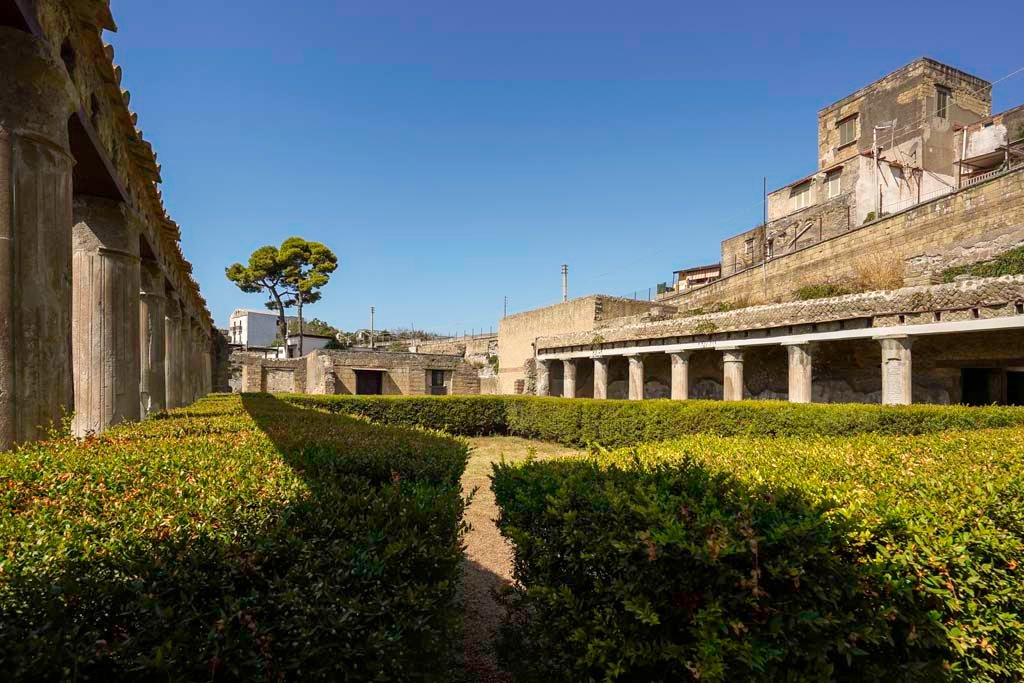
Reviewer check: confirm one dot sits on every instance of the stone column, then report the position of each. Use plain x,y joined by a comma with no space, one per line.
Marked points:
680,375
152,342
543,378
105,317
36,99
569,378
896,370
636,377
799,372
172,353
601,376
732,387
184,357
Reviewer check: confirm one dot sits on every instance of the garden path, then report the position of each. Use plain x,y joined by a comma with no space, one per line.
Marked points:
488,555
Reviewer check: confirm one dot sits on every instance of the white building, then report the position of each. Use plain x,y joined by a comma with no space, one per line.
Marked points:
310,343
252,328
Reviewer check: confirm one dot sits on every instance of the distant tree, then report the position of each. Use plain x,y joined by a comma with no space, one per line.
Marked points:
308,268
314,326
266,272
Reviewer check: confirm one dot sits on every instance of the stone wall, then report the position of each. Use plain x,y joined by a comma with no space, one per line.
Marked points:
334,372
971,225
516,333
969,298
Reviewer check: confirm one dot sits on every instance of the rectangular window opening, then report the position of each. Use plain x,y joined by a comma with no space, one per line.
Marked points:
847,130
942,102
835,183
801,196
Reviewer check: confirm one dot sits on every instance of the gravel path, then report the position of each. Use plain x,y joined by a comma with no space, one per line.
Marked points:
488,555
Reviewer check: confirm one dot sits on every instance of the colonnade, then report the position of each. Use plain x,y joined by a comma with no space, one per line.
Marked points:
895,372
92,318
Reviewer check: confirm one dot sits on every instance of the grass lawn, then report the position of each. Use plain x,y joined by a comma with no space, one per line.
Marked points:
488,556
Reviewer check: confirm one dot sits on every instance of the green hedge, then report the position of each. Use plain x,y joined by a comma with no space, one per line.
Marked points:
240,539
803,559
612,424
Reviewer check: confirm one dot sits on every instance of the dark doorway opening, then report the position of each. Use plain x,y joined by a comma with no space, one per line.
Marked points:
369,382
975,384
1015,388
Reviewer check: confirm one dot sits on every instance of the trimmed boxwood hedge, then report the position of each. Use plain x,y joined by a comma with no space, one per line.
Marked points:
870,557
613,424
239,539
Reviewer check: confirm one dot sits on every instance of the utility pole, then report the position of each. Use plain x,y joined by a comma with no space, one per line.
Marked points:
372,311
565,282
504,311
875,155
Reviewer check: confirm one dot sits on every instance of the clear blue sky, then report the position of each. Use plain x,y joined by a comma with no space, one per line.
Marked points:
456,152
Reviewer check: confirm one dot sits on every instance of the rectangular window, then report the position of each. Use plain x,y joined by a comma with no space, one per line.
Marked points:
942,102
769,251
847,130
835,183
748,248
437,378
801,195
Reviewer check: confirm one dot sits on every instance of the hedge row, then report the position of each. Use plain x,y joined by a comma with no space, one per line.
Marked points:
613,424
240,539
801,559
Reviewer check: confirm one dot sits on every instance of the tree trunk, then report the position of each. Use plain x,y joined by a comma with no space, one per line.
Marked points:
299,306
282,323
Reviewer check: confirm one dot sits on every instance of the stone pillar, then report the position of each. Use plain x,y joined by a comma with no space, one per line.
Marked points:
105,316
680,375
36,99
569,378
152,342
799,372
636,377
172,353
732,386
543,378
184,356
896,370
601,376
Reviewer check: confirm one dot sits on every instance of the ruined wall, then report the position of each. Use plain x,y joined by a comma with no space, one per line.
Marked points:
516,333
406,374
736,256
971,225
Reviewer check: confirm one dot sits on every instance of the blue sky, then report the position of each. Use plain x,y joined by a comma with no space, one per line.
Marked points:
456,152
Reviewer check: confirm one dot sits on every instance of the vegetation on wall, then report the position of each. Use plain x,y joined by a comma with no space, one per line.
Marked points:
1008,263
820,291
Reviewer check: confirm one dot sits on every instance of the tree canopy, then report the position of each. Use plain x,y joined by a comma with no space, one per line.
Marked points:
291,275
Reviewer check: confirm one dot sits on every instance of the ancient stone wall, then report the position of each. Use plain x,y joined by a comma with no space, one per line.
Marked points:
516,333
971,225
970,298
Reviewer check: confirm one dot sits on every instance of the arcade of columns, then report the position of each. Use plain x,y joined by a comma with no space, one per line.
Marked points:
100,313
896,372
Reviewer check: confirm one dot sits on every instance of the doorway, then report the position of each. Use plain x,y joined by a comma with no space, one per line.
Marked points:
369,382
976,387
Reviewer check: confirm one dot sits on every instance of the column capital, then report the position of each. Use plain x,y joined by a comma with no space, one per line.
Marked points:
732,355
36,94
153,279
681,355
103,224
